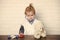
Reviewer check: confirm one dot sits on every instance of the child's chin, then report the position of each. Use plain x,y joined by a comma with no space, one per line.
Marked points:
30,19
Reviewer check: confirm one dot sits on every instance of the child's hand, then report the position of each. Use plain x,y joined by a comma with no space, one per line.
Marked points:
21,35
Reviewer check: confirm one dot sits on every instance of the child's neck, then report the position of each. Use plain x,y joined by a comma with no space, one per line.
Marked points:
30,21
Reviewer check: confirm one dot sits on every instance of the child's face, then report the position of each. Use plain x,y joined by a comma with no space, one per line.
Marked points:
30,15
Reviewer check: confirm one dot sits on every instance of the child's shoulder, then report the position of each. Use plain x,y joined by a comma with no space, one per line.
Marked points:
38,20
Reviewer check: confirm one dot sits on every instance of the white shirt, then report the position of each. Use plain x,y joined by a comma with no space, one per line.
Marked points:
29,28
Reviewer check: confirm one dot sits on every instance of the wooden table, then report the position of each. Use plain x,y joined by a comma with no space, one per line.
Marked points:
27,37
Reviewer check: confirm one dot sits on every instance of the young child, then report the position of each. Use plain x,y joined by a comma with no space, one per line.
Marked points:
30,25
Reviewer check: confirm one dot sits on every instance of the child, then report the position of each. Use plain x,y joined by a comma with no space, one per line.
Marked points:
30,25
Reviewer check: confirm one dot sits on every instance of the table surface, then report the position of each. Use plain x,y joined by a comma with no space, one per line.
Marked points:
28,37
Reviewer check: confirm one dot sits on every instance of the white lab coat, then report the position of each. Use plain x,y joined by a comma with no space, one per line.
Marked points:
35,29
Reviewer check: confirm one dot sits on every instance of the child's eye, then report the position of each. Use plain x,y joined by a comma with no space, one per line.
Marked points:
31,15
28,15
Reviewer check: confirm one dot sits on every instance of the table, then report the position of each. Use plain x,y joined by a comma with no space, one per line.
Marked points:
30,37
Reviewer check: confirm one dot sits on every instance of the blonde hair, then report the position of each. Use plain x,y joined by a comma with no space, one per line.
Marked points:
29,9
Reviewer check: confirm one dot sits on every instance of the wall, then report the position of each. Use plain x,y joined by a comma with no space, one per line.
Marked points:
12,13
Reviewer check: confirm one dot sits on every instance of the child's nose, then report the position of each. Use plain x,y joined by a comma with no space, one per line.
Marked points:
30,17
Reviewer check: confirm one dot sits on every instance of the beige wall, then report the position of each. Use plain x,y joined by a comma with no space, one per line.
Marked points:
12,13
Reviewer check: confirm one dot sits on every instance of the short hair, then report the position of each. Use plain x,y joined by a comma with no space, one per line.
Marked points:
29,9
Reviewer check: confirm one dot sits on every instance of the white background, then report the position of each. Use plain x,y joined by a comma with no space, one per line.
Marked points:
12,13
